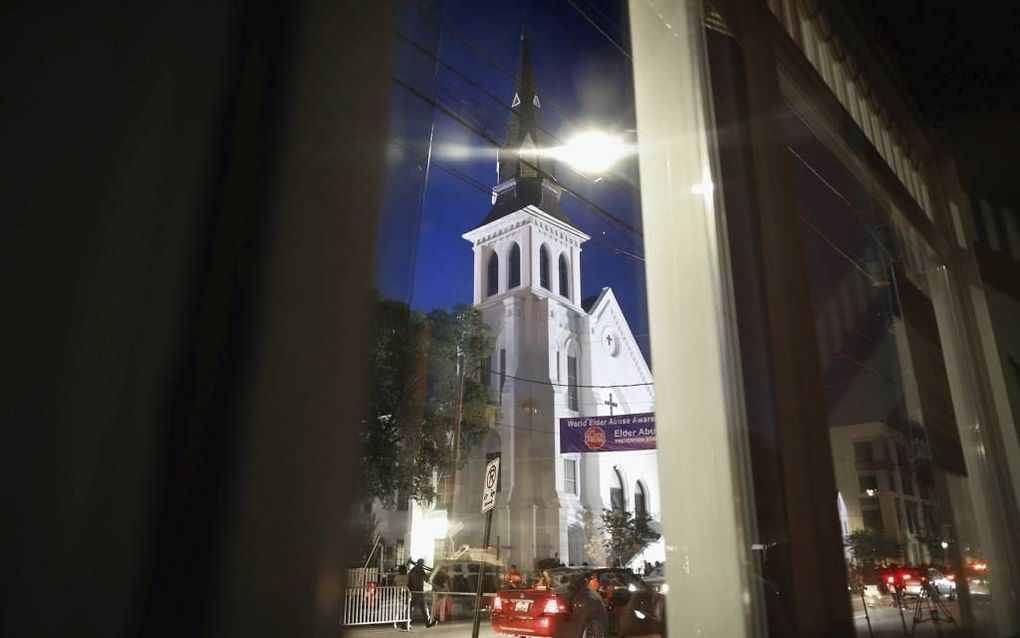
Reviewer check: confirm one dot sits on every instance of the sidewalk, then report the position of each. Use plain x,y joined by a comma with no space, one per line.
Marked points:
452,629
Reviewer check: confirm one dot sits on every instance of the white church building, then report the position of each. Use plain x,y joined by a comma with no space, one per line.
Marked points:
556,356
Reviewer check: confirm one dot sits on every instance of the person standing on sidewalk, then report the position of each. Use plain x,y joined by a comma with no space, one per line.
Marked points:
440,585
416,583
514,578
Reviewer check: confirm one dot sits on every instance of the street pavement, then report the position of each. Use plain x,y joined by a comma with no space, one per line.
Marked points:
452,629
885,620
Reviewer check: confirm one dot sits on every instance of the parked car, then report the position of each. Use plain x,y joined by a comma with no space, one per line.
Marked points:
911,580
565,609
914,581
977,579
464,575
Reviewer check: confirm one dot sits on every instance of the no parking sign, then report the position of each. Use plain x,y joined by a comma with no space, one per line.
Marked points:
489,485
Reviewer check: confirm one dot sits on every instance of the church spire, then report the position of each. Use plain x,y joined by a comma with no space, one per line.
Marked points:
523,132
525,174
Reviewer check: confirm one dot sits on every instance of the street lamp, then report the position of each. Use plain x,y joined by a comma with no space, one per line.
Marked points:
592,153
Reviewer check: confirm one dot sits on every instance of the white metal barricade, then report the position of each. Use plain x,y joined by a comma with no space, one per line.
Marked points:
375,605
360,577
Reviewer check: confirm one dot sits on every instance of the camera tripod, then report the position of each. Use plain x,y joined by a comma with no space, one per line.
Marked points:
930,603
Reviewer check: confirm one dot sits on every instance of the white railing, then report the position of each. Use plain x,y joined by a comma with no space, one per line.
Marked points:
376,605
361,577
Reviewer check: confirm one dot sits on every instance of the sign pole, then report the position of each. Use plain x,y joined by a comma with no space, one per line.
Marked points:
481,578
490,482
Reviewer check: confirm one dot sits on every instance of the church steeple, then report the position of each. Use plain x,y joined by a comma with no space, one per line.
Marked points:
523,131
525,174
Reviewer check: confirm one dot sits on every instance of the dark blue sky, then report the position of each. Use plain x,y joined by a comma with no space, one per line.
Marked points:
584,81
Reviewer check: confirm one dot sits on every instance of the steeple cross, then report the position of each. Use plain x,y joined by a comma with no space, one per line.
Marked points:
609,340
612,404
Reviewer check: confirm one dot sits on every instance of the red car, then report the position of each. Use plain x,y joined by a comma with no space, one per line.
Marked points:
567,609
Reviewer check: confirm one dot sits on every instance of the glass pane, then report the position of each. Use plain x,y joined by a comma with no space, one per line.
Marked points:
510,359
894,438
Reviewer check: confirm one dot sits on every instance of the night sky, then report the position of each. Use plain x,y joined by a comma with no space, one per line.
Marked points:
584,81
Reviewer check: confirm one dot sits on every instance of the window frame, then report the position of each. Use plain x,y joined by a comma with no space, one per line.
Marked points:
513,271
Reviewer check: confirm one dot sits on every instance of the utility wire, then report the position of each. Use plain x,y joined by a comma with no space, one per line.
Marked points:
615,177
598,210
483,188
505,71
467,179
497,374
595,26
591,205
611,21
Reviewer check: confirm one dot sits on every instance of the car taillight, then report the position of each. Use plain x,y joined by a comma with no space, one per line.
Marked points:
890,580
497,604
553,606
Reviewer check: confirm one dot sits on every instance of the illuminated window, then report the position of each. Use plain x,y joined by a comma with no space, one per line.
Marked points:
570,476
869,482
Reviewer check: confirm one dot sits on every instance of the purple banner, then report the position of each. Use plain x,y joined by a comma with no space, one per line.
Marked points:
617,433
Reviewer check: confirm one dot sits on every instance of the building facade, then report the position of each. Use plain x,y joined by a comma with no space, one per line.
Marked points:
557,355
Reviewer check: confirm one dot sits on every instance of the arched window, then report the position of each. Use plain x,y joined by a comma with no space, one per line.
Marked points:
616,502
564,276
640,499
543,267
514,279
492,275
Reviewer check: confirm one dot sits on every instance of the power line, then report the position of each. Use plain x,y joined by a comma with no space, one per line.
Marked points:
615,177
584,201
595,26
595,208
470,181
512,76
569,385
612,22
505,71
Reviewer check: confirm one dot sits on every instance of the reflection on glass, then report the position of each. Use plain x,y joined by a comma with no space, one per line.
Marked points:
894,438
496,339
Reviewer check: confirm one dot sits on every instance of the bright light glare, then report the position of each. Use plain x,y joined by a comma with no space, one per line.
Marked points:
592,152
704,188
438,527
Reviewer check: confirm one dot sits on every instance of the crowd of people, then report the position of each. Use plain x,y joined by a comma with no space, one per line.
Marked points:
442,585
